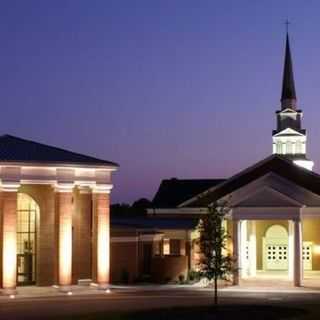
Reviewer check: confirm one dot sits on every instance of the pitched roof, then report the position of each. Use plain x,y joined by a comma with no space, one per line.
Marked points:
173,192
14,149
288,86
276,164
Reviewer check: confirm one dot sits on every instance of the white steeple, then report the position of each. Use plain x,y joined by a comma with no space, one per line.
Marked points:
289,139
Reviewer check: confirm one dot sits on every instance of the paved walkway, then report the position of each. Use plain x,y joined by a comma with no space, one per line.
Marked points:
34,292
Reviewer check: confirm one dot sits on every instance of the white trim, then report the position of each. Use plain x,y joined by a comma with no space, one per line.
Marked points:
56,166
102,188
289,131
40,181
10,186
63,187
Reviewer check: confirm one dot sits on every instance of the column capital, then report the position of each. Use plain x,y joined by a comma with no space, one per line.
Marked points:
102,188
10,186
63,187
83,189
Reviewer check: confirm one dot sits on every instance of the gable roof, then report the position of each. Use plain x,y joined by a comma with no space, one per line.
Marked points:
14,149
276,164
173,192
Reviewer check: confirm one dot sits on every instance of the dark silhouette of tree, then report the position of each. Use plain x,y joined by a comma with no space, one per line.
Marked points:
215,263
124,210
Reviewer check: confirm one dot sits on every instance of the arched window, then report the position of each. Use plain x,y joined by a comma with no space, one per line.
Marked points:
27,217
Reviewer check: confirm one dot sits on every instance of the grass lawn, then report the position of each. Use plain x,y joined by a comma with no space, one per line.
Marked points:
251,312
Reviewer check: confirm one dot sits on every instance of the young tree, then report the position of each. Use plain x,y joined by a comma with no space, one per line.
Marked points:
215,262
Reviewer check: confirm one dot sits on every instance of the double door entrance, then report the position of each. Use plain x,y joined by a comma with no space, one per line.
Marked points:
277,257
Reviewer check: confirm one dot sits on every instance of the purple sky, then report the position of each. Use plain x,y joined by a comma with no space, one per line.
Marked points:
165,88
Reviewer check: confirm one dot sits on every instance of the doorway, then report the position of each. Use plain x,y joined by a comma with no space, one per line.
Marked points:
276,252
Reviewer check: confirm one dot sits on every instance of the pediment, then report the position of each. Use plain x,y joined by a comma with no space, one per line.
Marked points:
288,110
288,131
268,197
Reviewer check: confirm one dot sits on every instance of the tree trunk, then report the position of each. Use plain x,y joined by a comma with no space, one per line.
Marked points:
215,290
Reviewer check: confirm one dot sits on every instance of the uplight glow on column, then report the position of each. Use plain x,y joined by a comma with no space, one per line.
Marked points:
103,239
9,258
65,238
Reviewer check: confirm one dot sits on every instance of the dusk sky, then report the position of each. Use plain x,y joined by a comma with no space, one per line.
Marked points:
165,88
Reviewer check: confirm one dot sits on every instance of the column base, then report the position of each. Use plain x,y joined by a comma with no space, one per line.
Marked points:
297,283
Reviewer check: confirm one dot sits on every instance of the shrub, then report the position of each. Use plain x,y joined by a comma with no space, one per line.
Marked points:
193,275
181,278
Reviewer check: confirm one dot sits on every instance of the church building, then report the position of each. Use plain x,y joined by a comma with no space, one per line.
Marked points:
274,217
55,226
54,216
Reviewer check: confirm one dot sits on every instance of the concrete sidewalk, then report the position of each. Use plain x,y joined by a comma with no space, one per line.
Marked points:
33,292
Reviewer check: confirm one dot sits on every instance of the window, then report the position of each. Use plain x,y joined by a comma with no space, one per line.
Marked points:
27,215
171,247
166,246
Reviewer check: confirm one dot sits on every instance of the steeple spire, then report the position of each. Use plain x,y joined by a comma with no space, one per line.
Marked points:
288,95
290,139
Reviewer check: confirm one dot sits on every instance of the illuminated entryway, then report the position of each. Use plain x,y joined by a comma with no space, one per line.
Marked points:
275,248
27,217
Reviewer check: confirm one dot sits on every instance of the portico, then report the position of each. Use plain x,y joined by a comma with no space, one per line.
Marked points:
55,219
279,249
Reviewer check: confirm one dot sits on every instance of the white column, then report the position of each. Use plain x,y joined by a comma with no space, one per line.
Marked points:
236,249
252,249
291,250
298,270
242,254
